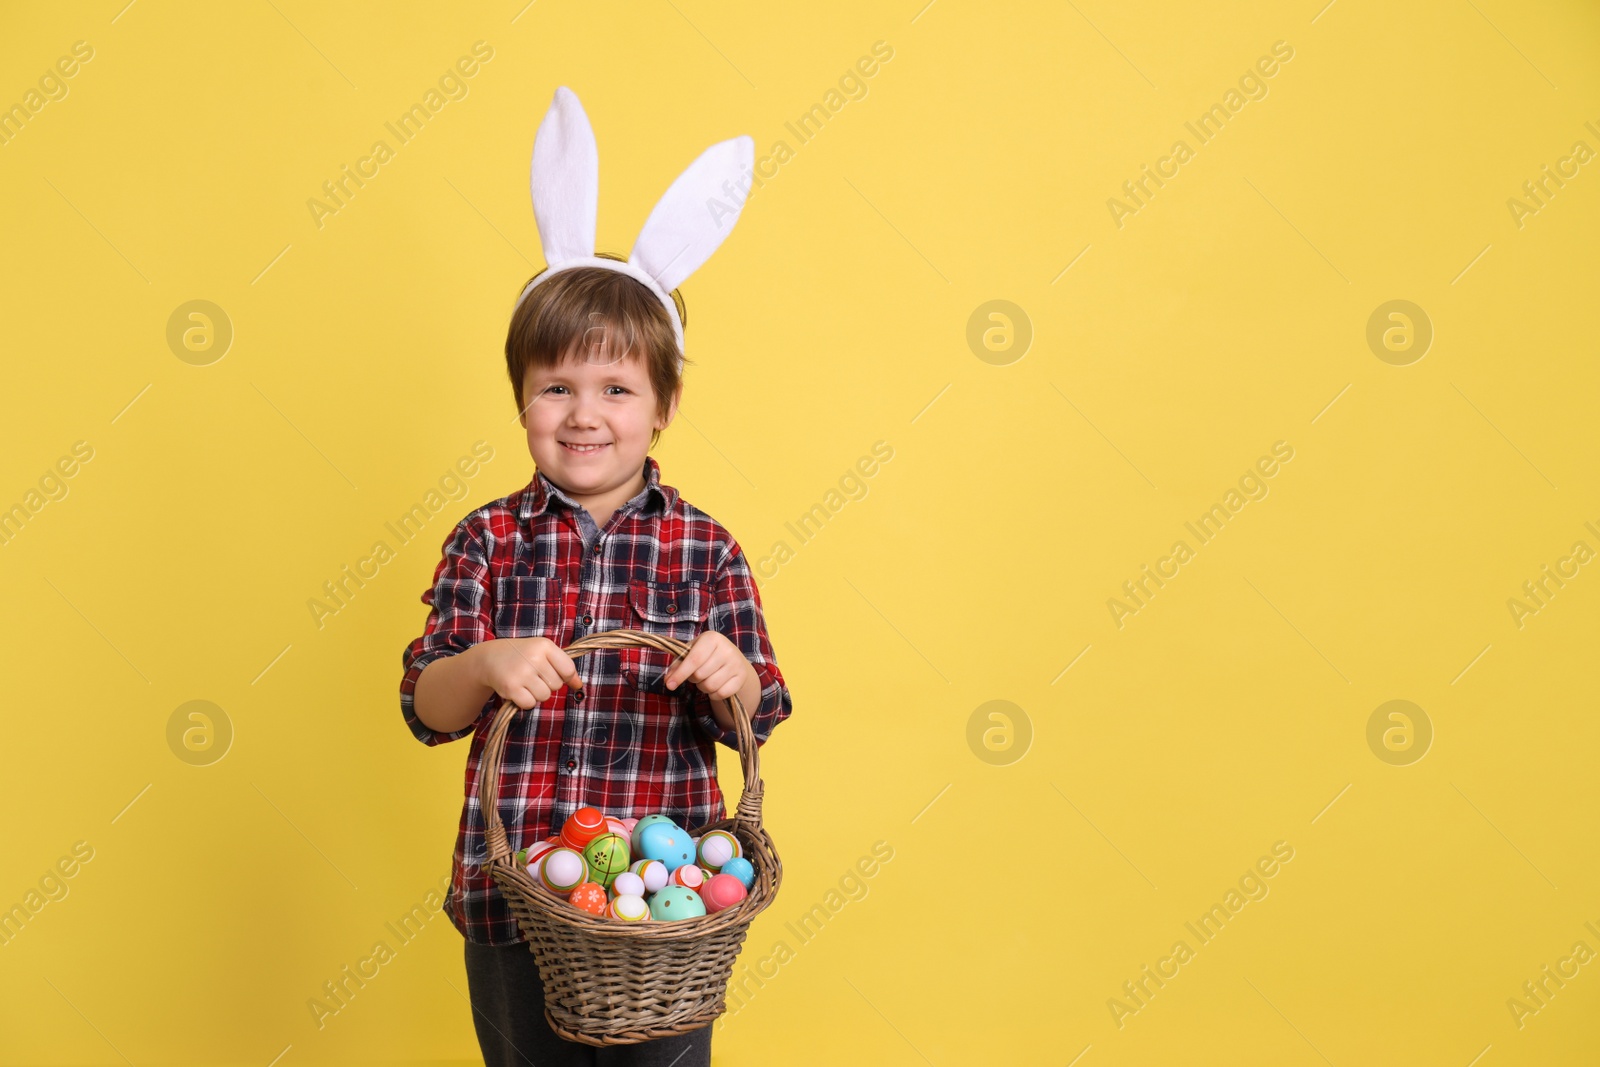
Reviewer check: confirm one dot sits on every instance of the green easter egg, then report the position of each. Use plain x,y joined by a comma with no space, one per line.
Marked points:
675,902
606,857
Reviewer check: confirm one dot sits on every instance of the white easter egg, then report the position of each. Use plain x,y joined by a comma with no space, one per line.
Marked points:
561,871
629,908
654,873
717,848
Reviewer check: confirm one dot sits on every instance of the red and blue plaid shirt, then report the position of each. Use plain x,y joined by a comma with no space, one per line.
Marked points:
533,564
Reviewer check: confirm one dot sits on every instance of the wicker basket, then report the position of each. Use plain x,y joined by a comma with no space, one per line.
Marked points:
609,982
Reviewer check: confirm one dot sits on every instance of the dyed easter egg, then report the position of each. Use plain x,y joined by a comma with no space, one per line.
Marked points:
630,823
648,820
606,856
589,897
721,891
665,842
629,908
689,876
676,902
653,872
561,870
628,884
717,847
584,826
530,856
618,827
741,869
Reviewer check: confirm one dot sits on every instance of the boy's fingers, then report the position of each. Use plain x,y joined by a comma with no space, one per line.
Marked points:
712,679
566,668
548,674
707,675
685,667
728,682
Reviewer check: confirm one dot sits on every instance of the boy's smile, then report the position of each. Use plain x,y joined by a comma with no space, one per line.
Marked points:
589,428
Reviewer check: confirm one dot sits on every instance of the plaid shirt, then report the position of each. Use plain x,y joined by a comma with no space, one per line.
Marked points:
533,564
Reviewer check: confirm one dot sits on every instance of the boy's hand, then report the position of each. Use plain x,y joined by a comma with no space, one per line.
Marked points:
715,665
525,670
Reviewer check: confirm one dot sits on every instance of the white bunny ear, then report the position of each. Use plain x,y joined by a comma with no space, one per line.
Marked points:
696,213
565,180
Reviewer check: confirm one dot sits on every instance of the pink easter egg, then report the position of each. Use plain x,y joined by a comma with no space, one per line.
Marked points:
627,884
721,891
689,876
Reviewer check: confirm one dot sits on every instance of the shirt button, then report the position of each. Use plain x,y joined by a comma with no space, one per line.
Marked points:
597,548
571,763
588,619
577,697
672,609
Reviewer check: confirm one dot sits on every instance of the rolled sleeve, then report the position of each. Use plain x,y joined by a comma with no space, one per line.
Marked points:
736,613
460,618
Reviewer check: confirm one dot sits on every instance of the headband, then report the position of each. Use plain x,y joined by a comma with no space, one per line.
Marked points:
689,222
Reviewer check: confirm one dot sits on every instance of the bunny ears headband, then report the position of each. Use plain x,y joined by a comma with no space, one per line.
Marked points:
688,223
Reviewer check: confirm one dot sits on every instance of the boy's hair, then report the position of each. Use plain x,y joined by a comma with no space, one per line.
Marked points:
590,307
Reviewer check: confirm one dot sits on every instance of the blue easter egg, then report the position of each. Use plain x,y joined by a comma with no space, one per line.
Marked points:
666,843
741,869
635,841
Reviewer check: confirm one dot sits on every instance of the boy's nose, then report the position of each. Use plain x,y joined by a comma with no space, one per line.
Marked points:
583,413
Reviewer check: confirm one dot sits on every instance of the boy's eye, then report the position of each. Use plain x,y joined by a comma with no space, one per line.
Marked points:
611,390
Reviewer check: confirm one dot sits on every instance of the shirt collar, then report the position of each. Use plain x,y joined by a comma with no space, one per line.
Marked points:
541,493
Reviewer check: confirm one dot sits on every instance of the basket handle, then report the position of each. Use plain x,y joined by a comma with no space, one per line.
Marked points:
747,816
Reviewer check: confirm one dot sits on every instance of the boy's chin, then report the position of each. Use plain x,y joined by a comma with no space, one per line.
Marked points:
587,477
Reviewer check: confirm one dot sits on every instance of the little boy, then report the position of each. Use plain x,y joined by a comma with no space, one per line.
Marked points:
594,542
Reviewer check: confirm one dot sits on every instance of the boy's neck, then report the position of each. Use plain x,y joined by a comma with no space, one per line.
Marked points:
601,506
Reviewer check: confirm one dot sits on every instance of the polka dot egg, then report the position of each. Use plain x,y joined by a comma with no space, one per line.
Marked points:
676,902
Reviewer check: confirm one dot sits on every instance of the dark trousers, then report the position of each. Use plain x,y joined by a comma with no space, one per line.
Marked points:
508,1012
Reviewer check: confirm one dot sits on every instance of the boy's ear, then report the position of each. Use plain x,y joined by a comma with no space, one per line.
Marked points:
672,408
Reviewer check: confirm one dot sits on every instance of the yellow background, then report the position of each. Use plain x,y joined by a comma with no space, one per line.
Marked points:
1228,714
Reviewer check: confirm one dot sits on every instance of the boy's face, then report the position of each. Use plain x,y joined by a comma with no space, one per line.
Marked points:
589,424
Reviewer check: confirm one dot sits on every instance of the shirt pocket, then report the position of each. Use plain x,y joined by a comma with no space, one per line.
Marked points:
527,605
673,609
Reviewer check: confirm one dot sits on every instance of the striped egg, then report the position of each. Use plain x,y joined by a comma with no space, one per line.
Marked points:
628,908
718,847
654,873
689,876
561,870
627,884
583,826
532,854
